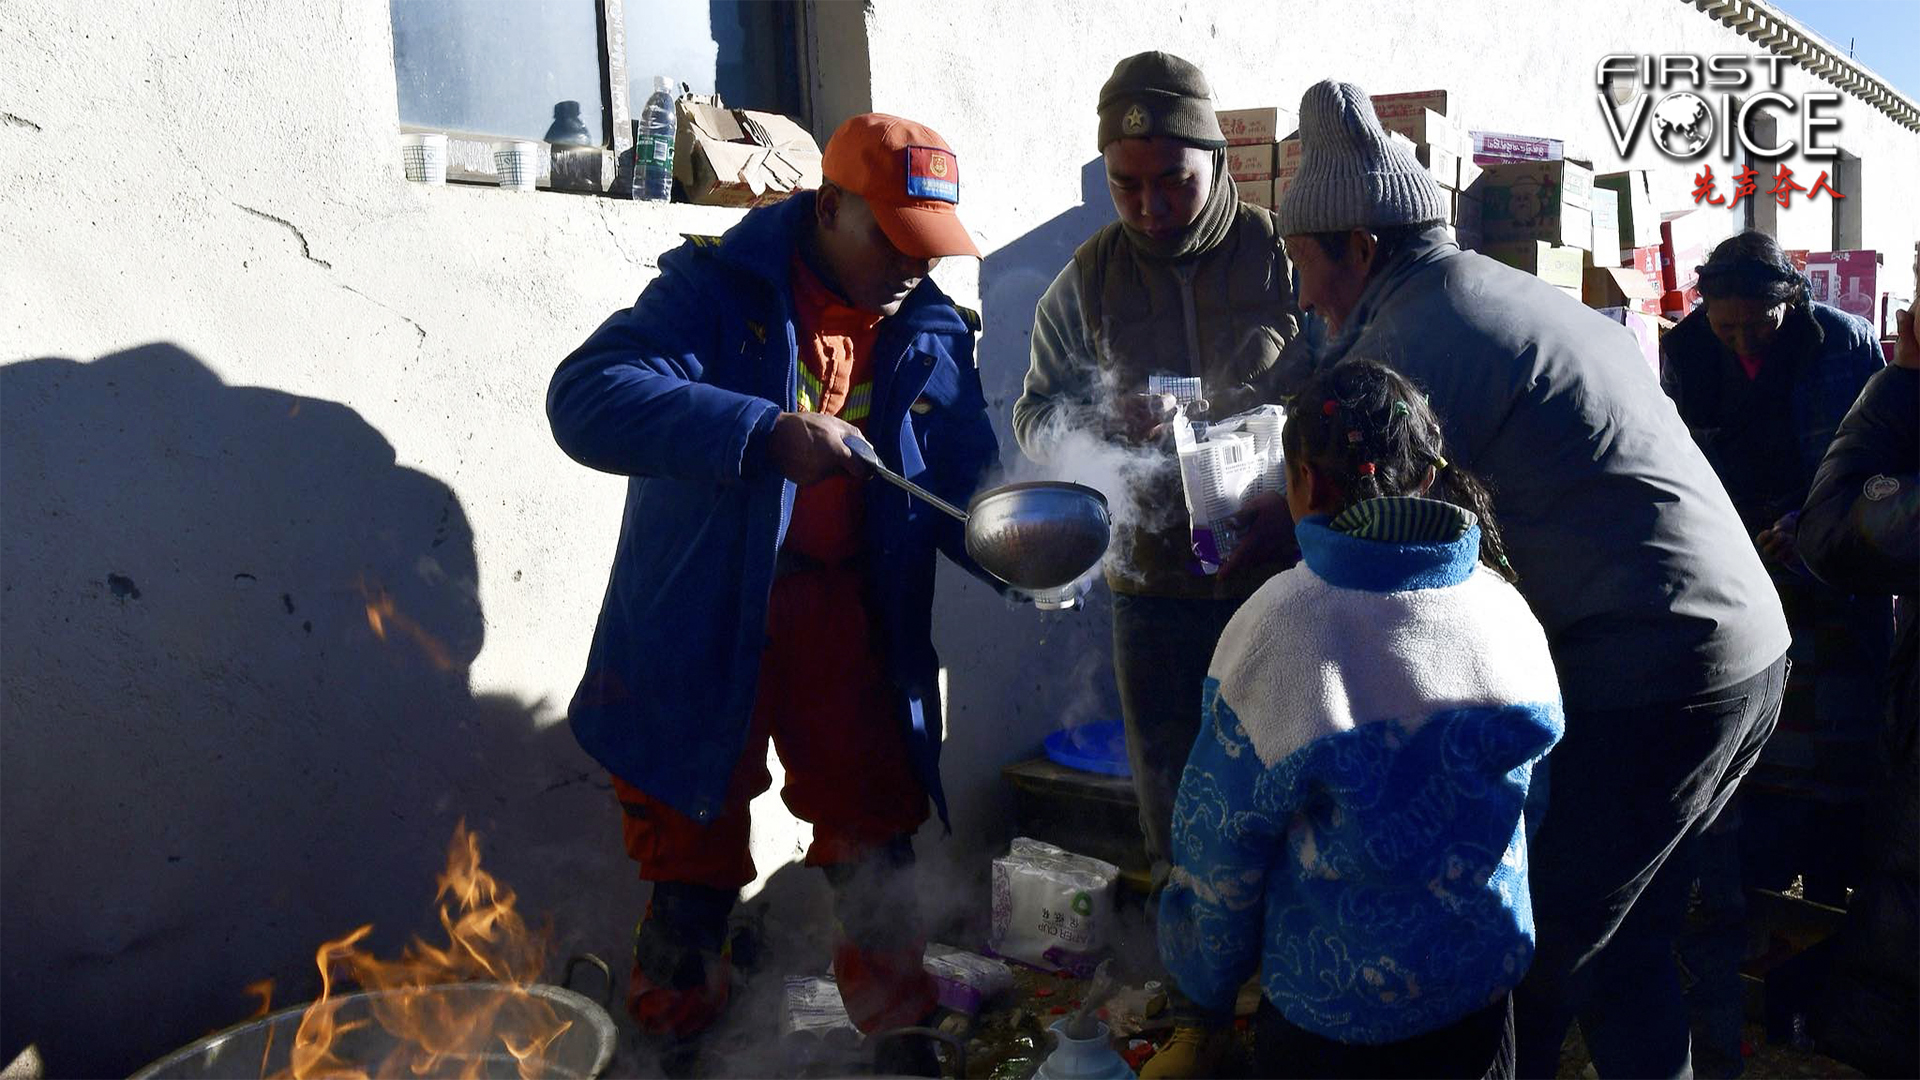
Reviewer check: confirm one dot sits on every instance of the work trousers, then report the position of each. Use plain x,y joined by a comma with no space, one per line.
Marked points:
826,705
1161,649
1611,866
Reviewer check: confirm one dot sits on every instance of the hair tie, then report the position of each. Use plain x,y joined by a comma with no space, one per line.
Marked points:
1329,407
1439,462
1401,408
1366,468
1353,437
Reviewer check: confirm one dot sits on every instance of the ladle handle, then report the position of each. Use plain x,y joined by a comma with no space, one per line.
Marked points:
865,452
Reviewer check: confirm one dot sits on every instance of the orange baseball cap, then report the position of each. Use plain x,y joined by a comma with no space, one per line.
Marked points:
910,177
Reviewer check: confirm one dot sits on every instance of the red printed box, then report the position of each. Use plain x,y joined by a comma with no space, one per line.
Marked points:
1647,263
1675,304
1250,162
1424,126
1387,105
1683,247
1245,127
1849,280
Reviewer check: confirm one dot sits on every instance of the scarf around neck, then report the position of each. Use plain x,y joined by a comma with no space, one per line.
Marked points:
1207,230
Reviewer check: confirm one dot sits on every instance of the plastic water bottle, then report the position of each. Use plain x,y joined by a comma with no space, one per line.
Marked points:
653,151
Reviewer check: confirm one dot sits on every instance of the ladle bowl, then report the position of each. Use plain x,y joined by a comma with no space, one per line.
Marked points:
1039,537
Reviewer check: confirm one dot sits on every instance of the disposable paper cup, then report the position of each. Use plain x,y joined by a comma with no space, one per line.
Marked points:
425,155
517,163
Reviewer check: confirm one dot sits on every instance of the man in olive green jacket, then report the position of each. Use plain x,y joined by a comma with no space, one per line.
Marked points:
1189,282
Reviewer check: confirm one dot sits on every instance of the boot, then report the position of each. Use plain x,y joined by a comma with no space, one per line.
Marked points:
682,972
878,948
1193,1051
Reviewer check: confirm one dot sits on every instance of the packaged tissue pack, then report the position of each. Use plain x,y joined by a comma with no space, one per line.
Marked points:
1052,909
965,980
1222,465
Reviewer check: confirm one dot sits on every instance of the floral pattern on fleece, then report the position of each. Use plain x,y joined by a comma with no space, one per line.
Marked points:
1379,872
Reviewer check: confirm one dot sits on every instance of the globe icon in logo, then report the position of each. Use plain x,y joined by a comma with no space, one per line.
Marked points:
1682,124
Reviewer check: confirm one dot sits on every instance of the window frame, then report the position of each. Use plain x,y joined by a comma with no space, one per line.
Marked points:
470,154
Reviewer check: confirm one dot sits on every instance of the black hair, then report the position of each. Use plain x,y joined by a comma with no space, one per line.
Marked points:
1753,266
1367,428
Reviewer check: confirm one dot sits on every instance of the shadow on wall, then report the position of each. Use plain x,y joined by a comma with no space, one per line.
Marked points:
237,718
1014,674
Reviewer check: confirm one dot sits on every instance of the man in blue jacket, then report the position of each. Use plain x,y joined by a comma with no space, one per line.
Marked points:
760,590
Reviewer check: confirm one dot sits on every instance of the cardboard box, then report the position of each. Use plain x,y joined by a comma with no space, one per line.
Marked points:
1442,163
1386,105
1646,330
1646,262
1468,219
1684,237
1639,222
734,157
1250,162
1551,263
1286,165
1606,227
1246,127
1547,201
1423,126
1849,280
1257,192
1559,181
1492,147
1470,171
1620,287
1675,304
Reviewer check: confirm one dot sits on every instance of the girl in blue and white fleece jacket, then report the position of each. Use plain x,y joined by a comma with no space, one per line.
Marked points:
1353,819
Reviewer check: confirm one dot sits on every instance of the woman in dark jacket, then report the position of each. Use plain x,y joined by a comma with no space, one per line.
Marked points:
1762,375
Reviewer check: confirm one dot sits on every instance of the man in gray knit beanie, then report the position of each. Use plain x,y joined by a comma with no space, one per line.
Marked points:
1352,174
1355,186
1667,636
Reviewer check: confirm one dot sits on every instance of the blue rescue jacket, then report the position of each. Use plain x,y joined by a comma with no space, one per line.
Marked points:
670,393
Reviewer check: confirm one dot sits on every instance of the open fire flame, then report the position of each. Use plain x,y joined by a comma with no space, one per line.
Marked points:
437,1034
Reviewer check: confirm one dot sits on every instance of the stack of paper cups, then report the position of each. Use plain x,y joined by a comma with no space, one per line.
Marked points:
1217,475
517,163
1264,424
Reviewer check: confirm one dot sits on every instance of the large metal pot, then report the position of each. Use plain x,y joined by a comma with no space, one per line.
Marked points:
260,1047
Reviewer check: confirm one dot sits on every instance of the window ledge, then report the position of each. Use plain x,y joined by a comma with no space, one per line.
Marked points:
470,165
678,217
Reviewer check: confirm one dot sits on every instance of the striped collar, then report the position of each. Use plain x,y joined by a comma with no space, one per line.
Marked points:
1392,545
1405,520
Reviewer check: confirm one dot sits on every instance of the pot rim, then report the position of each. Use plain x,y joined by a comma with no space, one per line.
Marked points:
584,1006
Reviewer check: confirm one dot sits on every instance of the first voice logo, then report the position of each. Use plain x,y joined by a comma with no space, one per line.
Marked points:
1687,104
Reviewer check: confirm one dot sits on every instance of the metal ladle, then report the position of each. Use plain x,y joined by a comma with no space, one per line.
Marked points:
863,450
1039,537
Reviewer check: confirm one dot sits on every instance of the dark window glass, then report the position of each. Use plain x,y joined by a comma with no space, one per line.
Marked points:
498,67
745,50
